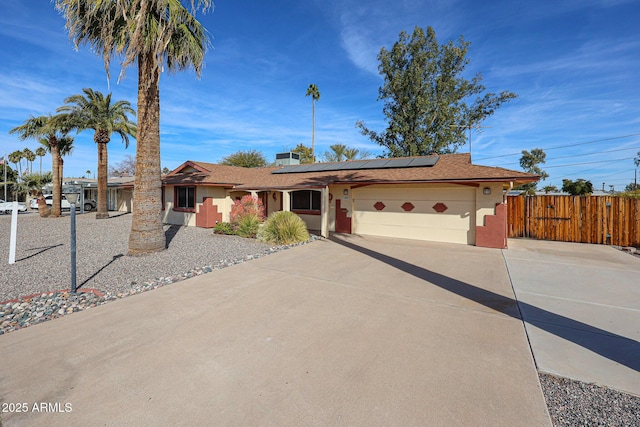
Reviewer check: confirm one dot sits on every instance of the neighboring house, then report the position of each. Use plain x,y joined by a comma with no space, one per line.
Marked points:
119,192
441,198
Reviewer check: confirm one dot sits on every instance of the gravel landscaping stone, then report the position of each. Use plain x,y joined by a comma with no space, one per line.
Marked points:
574,403
42,264
42,269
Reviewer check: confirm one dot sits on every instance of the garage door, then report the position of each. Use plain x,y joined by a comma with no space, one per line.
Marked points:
441,214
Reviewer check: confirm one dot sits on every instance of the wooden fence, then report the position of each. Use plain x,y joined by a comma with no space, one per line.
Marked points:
587,219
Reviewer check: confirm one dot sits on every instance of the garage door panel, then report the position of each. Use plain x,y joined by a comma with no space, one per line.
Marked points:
412,220
430,234
400,193
456,224
454,207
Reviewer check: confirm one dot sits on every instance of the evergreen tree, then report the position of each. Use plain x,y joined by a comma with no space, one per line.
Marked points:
427,102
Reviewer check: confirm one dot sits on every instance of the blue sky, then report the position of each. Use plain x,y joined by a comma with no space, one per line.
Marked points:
575,65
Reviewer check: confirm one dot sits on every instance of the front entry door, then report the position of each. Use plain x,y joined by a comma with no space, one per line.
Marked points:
343,222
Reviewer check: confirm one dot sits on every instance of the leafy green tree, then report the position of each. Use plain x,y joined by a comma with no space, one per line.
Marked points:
156,35
341,153
427,102
314,93
632,187
95,111
550,189
579,187
529,162
306,154
166,170
245,159
51,132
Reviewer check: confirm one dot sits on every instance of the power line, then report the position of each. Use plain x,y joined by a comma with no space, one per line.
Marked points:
596,152
564,146
588,163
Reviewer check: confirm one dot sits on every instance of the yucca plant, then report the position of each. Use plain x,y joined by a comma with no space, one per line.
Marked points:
283,228
248,226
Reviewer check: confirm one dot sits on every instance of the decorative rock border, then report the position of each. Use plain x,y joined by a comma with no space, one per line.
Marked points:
25,311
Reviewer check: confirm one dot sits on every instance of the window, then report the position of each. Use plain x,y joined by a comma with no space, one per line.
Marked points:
185,198
305,200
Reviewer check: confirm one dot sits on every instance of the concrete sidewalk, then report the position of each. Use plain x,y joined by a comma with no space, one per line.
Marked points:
581,306
347,332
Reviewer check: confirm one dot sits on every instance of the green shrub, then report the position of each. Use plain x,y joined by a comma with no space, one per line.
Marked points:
223,228
283,228
248,226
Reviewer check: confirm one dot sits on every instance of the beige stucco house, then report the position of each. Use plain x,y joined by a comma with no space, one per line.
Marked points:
442,198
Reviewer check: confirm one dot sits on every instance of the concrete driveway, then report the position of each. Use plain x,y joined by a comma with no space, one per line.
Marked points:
355,331
581,306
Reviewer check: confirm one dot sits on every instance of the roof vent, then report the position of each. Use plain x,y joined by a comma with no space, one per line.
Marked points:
286,159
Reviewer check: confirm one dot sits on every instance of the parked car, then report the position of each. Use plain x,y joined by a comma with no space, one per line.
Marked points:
7,207
89,204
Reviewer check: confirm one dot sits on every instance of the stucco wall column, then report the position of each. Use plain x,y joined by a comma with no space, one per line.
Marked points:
325,211
286,200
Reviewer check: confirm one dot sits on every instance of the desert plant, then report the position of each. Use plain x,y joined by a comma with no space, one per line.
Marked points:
283,228
223,228
248,205
248,226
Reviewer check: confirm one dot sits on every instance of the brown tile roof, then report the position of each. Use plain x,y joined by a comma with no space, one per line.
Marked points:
452,168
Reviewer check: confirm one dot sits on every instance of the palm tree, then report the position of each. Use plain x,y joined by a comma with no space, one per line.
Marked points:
336,154
154,34
30,156
65,147
95,111
314,93
341,153
16,158
53,132
33,182
41,152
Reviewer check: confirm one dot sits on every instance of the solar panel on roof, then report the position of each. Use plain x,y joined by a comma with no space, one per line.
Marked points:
423,161
361,165
398,163
375,164
318,167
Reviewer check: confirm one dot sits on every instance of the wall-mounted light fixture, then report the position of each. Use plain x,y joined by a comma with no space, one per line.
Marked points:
345,192
486,191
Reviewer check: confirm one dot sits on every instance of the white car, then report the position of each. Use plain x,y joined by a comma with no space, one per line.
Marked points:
89,205
6,207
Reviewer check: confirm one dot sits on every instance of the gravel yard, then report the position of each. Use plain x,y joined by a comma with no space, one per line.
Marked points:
42,266
43,254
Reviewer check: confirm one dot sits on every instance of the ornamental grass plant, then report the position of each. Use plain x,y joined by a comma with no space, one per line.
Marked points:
283,228
248,226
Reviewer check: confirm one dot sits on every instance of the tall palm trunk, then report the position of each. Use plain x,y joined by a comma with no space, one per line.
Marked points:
147,234
313,131
102,211
57,178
